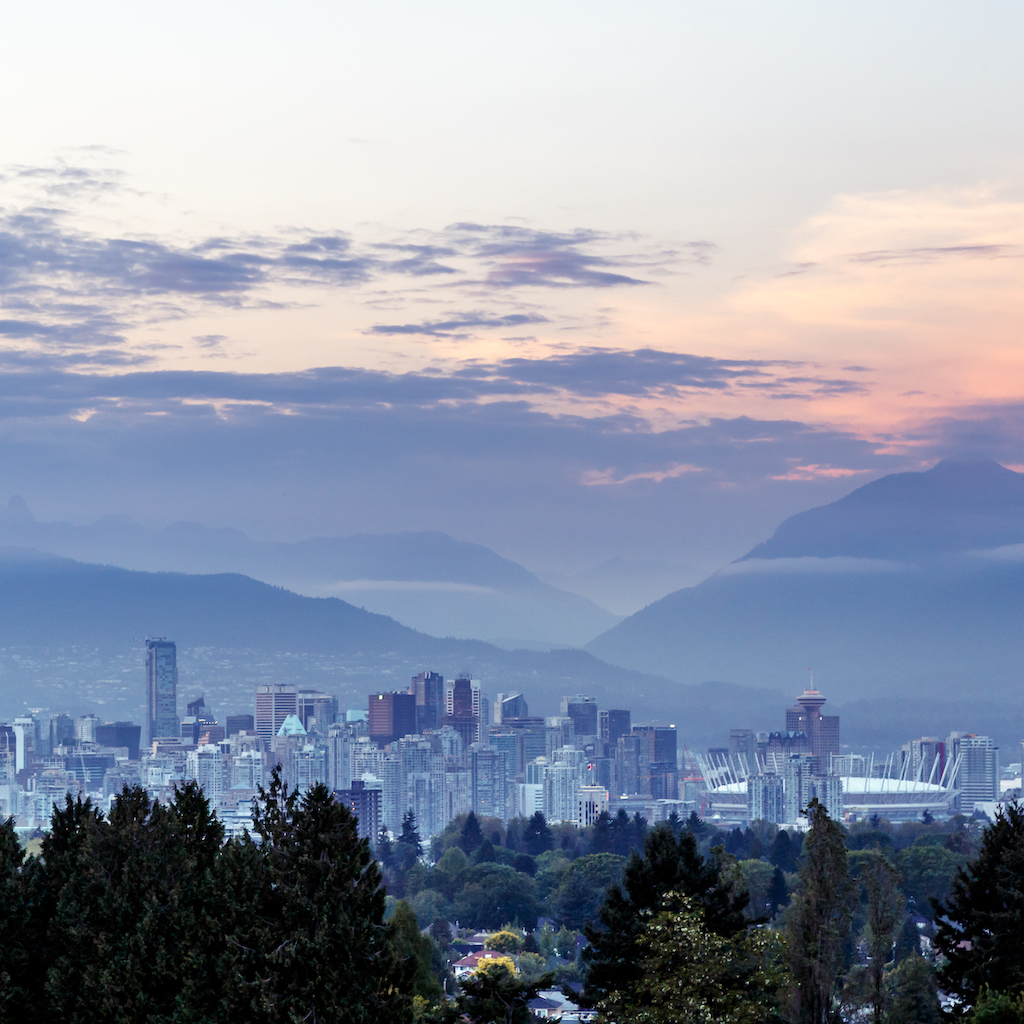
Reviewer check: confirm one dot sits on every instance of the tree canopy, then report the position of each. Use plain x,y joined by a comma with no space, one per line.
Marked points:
670,863
980,927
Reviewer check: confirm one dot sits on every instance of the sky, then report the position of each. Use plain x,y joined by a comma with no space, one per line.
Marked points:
576,281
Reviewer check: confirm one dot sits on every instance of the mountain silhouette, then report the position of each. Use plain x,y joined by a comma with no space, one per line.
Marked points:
953,507
425,579
907,593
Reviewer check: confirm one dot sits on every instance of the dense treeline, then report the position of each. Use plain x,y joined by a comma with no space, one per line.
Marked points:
148,914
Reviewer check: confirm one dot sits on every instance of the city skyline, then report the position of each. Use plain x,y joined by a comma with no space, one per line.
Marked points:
504,763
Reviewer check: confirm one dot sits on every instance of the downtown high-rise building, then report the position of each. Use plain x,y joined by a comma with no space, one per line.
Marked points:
162,689
978,778
390,716
583,712
429,690
274,703
822,731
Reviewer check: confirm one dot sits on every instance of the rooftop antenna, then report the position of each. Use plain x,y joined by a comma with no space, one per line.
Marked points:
810,673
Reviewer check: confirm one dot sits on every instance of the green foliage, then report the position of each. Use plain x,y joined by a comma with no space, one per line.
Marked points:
565,943
756,880
670,863
415,952
471,835
409,846
818,920
428,905
865,836
16,938
537,835
453,863
602,839
582,887
778,892
885,912
484,853
999,1008
495,893
493,994
980,927
908,939
687,972
147,915
783,852
325,950
928,872
913,993
532,966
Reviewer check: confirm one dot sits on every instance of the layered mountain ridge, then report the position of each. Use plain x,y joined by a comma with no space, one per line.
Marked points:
907,592
426,579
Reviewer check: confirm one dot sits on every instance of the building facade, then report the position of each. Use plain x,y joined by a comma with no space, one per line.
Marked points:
162,688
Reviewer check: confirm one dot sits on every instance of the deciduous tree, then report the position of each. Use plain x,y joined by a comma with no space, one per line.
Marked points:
688,973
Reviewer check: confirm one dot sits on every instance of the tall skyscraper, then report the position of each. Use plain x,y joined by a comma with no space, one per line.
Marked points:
979,768
162,688
239,723
120,734
462,707
613,724
743,744
317,711
391,716
510,705
429,690
339,757
274,703
822,731
583,712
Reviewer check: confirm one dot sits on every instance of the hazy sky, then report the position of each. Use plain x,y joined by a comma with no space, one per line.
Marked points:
572,280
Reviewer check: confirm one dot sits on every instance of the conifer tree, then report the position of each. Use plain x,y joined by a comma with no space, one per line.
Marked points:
471,835
782,854
913,992
637,833
15,931
331,958
538,835
668,864
778,892
409,845
818,921
605,832
414,954
980,928
688,973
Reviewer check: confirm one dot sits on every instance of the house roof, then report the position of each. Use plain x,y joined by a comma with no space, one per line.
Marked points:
473,959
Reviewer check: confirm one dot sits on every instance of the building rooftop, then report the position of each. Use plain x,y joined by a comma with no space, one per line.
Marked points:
292,726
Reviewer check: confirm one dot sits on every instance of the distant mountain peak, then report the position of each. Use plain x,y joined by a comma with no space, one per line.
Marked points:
956,506
16,511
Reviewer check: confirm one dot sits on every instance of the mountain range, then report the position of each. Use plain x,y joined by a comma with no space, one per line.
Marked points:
52,605
907,593
427,580
906,598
